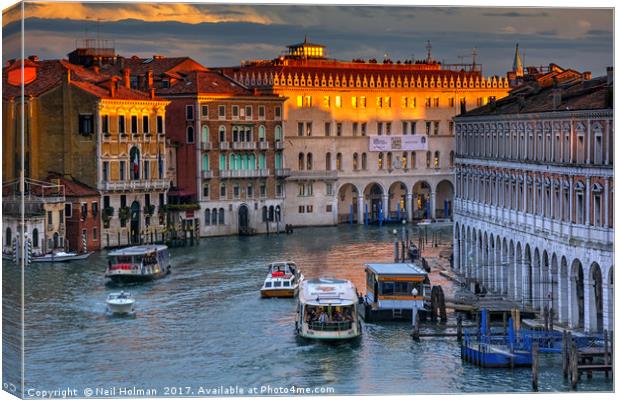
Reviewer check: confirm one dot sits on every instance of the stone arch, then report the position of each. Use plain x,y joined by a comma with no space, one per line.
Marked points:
609,292
527,295
498,270
518,265
374,204
397,201
348,203
553,285
444,195
421,198
545,287
563,290
576,294
595,299
535,284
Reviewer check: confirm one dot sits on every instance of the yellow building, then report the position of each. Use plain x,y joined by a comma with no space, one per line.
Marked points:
367,140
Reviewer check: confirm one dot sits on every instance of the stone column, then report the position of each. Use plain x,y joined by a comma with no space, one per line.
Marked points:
587,195
385,205
433,205
587,325
569,298
360,209
409,205
606,203
570,201
456,252
588,139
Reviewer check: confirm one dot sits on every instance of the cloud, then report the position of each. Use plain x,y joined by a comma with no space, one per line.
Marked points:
514,14
509,29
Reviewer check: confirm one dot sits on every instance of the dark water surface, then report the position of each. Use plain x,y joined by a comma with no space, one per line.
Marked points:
206,325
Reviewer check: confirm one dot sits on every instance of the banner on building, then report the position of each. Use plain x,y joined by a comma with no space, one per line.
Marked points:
396,143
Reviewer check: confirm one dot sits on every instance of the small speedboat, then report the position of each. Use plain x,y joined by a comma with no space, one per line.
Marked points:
61,256
283,280
120,303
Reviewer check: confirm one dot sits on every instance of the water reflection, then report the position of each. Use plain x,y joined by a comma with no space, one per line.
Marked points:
206,324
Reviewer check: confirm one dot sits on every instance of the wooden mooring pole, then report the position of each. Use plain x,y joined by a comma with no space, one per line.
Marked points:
459,328
535,366
565,354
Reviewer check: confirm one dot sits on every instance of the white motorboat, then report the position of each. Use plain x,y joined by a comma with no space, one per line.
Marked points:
283,280
138,263
327,310
120,303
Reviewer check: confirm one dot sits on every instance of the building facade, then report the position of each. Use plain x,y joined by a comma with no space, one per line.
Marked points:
534,196
367,141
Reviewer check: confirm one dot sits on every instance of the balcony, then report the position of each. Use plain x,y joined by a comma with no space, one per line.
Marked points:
279,145
283,172
134,185
318,174
244,173
207,174
206,146
224,146
263,145
244,145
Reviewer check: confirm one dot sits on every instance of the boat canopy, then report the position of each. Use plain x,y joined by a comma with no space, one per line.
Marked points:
328,291
137,250
392,270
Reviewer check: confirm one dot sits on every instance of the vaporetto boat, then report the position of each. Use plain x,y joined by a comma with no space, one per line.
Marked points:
327,310
138,263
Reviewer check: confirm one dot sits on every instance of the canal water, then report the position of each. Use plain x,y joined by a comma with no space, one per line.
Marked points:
205,325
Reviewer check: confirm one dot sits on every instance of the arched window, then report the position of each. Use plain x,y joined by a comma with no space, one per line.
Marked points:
404,160
205,134
364,160
452,158
134,162
262,164
380,161
205,162
214,216
261,133
222,161
339,161
278,133
190,134
301,161
389,160
252,161
436,160
309,161
208,216
235,134
412,159
271,213
35,238
428,159
233,162
8,236
221,216
278,214
264,213
222,133
355,161
328,161
278,159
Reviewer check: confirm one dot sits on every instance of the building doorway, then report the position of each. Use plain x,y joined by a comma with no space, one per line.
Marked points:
244,224
135,223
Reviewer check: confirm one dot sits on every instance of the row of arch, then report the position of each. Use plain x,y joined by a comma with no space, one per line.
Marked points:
359,161
559,141
238,134
579,291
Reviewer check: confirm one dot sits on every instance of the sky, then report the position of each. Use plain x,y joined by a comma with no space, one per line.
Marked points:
225,34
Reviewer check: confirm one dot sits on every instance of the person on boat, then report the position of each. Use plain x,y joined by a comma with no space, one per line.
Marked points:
338,316
323,317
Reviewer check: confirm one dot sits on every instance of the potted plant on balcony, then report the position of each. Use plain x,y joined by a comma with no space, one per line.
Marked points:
123,214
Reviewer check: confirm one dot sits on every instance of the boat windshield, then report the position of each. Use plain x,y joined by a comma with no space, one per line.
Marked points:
329,318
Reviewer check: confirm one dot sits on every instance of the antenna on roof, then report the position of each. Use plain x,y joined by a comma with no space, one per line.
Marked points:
428,50
474,53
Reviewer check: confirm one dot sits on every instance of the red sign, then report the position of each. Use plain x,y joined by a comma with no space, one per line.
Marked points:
189,214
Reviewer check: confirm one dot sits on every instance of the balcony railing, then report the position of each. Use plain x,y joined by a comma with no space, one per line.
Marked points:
318,174
146,184
283,172
279,145
244,173
330,326
244,145
263,145
224,146
207,174
206,146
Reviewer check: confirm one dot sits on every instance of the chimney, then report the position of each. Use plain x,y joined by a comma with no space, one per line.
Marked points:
610,76
149,79
113,86
587,75
68,76
556,95
34,58
126,81
152,93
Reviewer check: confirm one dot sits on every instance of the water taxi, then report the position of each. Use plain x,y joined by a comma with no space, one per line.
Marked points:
327,310
282,280
120,303
138,263
389,291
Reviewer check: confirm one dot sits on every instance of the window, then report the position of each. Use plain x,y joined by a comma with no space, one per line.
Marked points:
189,112
328,208
261,112
328,128
379,102
105,171
121,124
105,119
309,208
309,161
208,216
279,190
121,171
49,218
308,128
222,133
428,159
300,160
83,213
248,112
404,102
300,101
221,216
355,161
160,124
413,159
339,129
388,102
405,126
355,128
300,129
363,101
85,124
428,127
204,111
380,161
338,101
329,189
388,128
451,127
94,233
436,160
379,128
427,102
435,127
134,124
147,169
250,191
263,189
326,101
222,191
436,102
235,112
205,191
221,112
106,201
451,102
328,161
301,209
404,161
354,101
95,208
413,126
278,112
145,124
235,191
190,134
363,128
364,160
308,101
68,210
214,216
339,161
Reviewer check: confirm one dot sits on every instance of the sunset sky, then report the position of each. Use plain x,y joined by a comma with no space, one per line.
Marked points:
222,35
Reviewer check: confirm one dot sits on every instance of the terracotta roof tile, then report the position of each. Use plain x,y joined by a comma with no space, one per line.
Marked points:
206,82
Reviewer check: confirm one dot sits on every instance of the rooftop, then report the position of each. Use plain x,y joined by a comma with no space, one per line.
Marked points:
396,269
